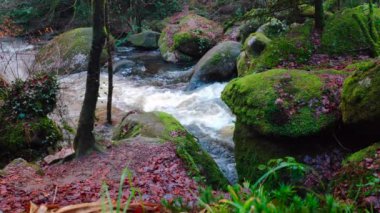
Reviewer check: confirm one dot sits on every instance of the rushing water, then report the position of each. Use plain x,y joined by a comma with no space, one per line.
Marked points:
142,81
16,58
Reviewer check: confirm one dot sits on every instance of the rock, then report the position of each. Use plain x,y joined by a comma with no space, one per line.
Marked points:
273,28
253,150
293,48
20,164
167,129
146,39
61,155
218,65
188,37
256,43
286,103
67,53
360,99
342,34
249,27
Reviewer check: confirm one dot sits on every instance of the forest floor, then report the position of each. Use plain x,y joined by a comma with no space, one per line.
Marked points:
157,173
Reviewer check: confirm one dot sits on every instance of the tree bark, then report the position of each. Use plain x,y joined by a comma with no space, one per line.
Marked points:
110,66
319,15
84,140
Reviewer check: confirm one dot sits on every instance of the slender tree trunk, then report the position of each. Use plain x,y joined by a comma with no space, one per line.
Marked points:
110,67
84,140
319,15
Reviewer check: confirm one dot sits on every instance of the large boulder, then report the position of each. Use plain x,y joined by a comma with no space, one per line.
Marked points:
218,65
166,128
286,103
188,37
147,39
342,34
360,99
293,48
67,53
273,28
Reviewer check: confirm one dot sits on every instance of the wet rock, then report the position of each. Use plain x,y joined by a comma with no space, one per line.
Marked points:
67,53
218,65
146,39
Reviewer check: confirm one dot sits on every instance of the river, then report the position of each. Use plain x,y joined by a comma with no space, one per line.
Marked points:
143,81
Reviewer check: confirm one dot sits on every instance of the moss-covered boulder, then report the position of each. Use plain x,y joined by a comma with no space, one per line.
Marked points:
358,180
286,103
360,99
294,47
342,34
253,150
218,65
166,128
273,28
67,53
146,39
188,37
249,27
36,133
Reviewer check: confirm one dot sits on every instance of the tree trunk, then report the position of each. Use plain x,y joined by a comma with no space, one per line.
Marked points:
110,67
319,15
84,140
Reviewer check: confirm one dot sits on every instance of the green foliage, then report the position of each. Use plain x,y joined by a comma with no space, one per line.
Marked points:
357,180
108,205
27,13
35,133
343,33
33,98
282,198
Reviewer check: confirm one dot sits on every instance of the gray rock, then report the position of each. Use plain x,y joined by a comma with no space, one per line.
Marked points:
146,39
218,65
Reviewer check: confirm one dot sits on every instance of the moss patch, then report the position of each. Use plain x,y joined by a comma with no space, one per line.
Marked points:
342,34
41,132
165,127
360,97
295,47
358,179
291,103
188,36
68,52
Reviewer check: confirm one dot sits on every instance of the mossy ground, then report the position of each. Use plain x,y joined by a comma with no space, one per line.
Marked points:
280,102
200,165
358,179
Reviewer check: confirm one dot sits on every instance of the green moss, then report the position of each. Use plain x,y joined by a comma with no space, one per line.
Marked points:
25,134
279,102
360,97
189,37
256,43
356,180
294,47
361,66
342,34
165,127
67,48
360,155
